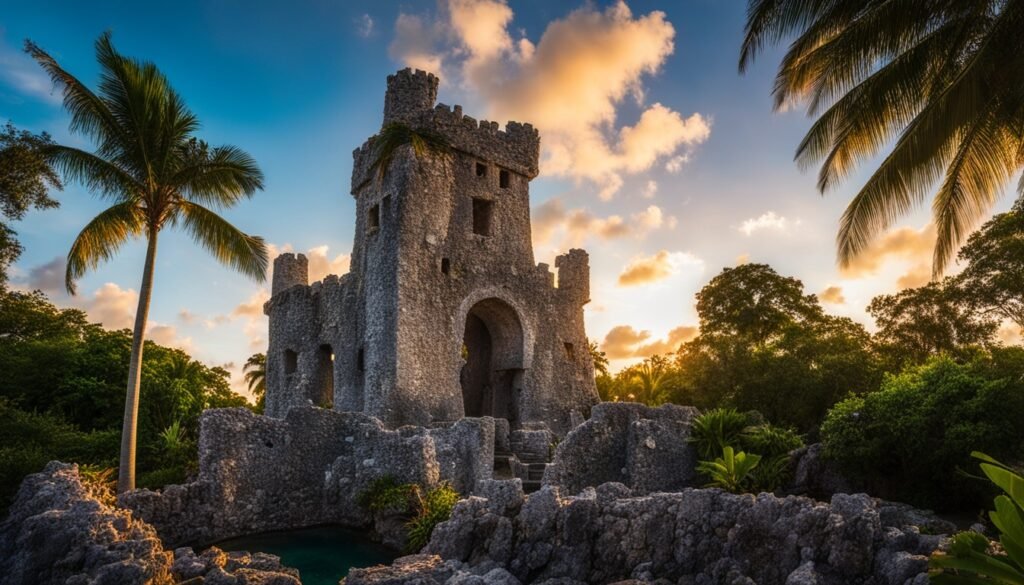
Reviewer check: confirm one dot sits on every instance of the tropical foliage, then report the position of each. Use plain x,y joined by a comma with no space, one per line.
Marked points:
425,508
156,173
25,182
908,440
732,471
396,135
63,390
938,80
971,557
255,369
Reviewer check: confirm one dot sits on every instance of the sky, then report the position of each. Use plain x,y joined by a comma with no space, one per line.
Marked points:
658,157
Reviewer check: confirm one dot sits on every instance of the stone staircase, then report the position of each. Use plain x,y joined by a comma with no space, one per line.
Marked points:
523,454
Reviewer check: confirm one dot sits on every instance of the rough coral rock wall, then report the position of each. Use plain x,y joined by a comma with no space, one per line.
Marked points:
640,446
444,313
58,532
698,536
258,473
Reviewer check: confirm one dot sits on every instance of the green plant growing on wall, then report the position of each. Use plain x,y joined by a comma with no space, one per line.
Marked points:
433,508
395,135
731,471
971,557
386,494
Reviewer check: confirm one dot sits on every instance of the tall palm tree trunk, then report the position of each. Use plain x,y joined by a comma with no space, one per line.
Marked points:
126,470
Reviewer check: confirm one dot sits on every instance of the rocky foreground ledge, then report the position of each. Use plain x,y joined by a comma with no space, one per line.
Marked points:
695,536
58,532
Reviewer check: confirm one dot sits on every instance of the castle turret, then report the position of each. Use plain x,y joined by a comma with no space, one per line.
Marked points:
409,93
574,275
289,270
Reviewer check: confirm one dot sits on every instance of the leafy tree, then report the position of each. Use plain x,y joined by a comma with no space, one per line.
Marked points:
63,387
908,439
766,346
149,164
754,302
26,177
939,80
920,322
993,279
599,358
255,369
648,382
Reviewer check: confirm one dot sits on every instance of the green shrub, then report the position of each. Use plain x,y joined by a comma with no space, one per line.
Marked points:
908,440
971,557
384,493
770,441
159,478
433,508
732,471
716,429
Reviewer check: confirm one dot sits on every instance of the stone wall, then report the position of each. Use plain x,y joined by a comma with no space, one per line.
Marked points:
258,473
639,446
59,532
696,536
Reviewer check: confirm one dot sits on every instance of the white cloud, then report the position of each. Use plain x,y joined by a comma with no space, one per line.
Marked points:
768,221
364,25
569,84
675,164
572,227
25,75
650,189
663,264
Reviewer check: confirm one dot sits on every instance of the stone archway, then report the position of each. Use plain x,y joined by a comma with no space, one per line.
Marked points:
492,347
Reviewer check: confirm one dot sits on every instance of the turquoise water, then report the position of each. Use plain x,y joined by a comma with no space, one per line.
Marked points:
323,555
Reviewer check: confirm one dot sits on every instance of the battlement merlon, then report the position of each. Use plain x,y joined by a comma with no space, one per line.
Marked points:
410,100
574,275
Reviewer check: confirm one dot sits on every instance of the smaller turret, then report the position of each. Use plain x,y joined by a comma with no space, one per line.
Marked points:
574,275
289,270
409,93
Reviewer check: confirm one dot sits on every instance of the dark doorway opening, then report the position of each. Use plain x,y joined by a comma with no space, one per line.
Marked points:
323,389
492,347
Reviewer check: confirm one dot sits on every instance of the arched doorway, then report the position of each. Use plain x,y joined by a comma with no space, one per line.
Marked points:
492,347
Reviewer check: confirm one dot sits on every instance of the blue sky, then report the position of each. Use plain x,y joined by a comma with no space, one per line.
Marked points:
299,85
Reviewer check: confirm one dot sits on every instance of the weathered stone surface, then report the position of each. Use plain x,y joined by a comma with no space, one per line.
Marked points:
816,476
57,532
441,260
424,569
644,448
604,535
258,473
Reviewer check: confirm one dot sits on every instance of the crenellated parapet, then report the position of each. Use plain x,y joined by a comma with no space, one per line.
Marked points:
410,100
574,275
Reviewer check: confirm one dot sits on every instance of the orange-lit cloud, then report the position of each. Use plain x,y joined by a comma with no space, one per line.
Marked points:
832,295
552,221
904,243
624,342
569,84
660,266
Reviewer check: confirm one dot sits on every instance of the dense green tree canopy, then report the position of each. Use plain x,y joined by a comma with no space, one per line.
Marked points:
993,278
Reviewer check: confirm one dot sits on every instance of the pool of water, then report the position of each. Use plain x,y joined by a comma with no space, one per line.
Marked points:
323,555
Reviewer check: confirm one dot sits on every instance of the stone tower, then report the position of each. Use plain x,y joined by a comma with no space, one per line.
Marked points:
444,314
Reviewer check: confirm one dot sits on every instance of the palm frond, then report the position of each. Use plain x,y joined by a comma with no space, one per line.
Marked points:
220,178
396,135
96,173
101,238
244,253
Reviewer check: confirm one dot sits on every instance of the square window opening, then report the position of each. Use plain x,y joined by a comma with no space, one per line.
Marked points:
570,351
503,179
482,210
481,170
446,265
291,361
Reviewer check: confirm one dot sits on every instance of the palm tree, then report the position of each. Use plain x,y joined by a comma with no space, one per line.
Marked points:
155,173
941,80
255,369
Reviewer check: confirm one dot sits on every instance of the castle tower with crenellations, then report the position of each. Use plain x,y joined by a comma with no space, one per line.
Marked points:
444,313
